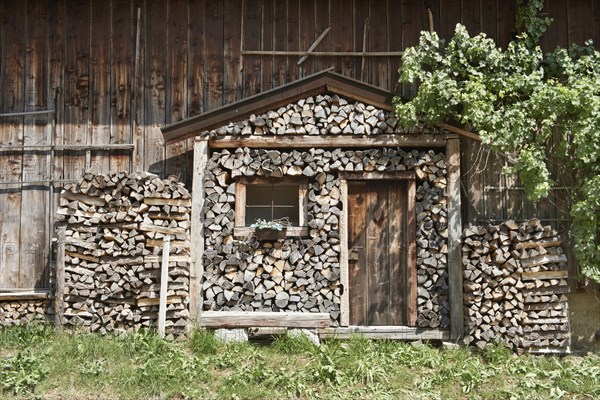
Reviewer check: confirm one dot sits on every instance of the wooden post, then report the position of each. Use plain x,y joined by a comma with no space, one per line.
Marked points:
455,270
197,250
345,301
164,283
59,304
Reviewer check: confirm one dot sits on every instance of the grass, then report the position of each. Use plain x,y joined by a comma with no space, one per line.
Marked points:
36,362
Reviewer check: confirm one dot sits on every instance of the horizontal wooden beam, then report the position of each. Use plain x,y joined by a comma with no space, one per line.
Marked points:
322,53
342,141
32,295
386,332
242,319
377,175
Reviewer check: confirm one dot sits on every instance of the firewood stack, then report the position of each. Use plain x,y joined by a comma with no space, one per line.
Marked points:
22,312
320,115
302,273
515,285
115,226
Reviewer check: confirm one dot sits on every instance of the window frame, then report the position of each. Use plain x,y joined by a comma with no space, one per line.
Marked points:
240,228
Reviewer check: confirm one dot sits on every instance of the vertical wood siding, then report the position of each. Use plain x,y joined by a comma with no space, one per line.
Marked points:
79,59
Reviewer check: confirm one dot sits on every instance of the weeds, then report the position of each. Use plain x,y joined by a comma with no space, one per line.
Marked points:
35,360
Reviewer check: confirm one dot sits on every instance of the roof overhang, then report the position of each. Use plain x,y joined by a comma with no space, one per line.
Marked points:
320,83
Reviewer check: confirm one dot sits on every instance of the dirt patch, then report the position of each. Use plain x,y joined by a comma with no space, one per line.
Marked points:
585,318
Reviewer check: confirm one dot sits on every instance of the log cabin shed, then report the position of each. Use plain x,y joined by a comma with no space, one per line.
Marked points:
373,242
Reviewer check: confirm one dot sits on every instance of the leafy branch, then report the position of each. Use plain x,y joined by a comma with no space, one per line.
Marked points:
519,100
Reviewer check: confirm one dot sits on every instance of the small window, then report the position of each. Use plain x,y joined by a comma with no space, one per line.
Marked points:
272,202
270,199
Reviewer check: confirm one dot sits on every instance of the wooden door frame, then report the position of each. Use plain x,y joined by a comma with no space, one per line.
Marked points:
411,222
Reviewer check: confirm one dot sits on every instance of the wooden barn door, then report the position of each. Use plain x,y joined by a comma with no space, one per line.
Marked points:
381,252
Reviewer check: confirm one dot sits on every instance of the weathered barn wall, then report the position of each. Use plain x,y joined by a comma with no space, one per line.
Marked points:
114,72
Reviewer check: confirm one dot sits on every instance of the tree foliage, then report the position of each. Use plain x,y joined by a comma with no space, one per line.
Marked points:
518,99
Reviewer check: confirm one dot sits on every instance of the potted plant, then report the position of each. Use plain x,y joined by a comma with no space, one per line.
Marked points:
270,230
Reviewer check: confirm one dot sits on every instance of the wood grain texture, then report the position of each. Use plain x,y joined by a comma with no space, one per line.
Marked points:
12,76
177,30
241,319
455,275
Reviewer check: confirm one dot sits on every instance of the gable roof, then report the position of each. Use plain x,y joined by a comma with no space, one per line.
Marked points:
320,83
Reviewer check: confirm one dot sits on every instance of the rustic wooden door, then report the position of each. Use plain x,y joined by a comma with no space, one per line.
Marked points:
381,256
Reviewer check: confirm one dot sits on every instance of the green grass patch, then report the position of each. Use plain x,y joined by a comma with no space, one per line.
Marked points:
35,362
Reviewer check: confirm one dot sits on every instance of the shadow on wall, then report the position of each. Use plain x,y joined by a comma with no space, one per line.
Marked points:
585,318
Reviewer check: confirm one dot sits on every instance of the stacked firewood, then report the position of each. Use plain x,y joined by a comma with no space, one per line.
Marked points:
320,115
303,273
22,312
515,286
115,230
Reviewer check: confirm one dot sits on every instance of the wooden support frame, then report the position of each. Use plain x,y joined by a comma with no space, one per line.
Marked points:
385,332
245,319
59,303
197,228
341,141
343,227
455,270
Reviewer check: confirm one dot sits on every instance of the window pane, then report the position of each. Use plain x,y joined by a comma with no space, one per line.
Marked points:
285,195
254,213
290,212
259,195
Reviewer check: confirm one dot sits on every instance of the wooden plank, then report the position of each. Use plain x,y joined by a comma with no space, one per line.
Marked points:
506,22
544,275
543,259
177,32
377,247
378,41
357,271
279,43
293,29
138,88
167,202
145,301
172,258
164,286
306,36
233,81
412,25
83,198
174,243
155,93
342,35
307,141
161,229
322,18
580,19
252,39
344,282
292,231
470,16
76,86
267,39
20,296
376,175
411,240
489,18
395,36
556,241
12,99
449,17
34,239
455,276
59,306
197,230
213,59
100,85
360,18
386,333
396,260
242,319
